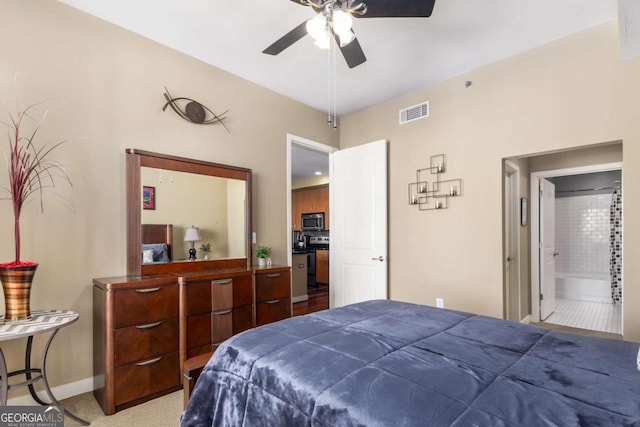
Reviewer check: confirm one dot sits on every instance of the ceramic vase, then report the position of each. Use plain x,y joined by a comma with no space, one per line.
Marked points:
16,285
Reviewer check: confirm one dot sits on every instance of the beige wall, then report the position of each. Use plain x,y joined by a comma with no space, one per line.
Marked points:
606,153
106,84
575,92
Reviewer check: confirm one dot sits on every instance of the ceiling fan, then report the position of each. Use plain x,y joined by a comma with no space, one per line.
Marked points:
333,20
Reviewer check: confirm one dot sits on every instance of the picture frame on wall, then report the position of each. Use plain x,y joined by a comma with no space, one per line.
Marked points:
148,197
523,211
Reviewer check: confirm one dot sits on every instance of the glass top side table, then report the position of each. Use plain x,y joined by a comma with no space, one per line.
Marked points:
42,321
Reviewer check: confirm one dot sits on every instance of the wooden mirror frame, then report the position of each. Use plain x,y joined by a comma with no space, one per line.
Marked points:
135,159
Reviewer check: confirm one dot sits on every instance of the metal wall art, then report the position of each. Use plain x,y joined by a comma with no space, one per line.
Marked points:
437,195
192,111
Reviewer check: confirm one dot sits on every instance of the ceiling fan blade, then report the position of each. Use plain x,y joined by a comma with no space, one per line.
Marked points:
287,40
397,9
352,53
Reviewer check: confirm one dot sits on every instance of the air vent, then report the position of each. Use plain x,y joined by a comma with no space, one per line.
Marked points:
415,112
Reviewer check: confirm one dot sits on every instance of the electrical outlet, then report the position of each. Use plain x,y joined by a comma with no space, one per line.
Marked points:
254,240
440,302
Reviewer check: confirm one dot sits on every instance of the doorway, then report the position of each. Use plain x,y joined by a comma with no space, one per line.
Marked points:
512,220
584,248
308,179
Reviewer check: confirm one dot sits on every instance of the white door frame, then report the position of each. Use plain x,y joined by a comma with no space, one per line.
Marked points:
535,223
313,145
512,229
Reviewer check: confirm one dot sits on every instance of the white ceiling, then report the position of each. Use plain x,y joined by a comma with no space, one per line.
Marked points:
305,163
403,54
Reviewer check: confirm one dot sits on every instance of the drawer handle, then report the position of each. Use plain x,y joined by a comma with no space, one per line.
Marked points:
273,301
222,281
149,325
273,275
222,313
149,362
147,290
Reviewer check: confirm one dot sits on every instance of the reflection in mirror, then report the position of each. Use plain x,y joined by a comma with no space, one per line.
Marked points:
215,205
168,193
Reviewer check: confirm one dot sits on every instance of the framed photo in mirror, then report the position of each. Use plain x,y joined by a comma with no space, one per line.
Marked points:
148,197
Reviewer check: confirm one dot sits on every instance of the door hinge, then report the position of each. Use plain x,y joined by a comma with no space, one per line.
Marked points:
541,297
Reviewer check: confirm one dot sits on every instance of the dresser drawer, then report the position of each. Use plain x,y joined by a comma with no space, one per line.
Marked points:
146,377
242,318
272,311
242,290
198,297
145,305
221,325
145,341
198,330
272,286
222,294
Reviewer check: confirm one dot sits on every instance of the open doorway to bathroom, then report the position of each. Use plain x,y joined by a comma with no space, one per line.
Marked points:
583,252
588,247
585,226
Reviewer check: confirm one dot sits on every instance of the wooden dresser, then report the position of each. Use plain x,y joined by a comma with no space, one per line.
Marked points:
145,327
273,294
135,340
217,306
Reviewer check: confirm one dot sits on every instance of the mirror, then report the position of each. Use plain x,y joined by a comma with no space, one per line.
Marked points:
179,193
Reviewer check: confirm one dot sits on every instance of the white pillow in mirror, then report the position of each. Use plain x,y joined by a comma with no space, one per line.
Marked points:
147,256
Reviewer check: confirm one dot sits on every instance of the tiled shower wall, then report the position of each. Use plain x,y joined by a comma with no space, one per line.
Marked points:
582,235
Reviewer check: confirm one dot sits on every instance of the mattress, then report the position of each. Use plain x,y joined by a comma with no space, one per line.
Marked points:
389,363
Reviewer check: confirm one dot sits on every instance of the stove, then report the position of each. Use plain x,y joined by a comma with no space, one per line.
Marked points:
318,242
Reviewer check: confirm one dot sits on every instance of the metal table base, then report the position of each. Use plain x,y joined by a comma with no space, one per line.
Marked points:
42,321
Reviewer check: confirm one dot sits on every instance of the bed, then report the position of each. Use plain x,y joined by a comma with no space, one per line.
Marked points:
391,363
157,243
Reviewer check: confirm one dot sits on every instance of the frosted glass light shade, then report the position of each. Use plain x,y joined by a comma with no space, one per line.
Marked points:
317,27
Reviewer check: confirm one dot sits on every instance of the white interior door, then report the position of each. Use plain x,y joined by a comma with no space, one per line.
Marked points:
358,200
547,248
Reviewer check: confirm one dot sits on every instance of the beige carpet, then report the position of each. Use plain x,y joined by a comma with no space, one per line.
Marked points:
160,412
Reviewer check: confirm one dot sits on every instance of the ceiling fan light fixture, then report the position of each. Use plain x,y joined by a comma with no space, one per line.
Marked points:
317,27
346,38
341,22
323,42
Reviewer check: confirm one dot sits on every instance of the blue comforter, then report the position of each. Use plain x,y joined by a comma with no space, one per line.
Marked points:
387,363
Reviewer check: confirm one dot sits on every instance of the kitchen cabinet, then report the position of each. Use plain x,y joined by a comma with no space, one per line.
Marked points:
322,267
309,200
299,277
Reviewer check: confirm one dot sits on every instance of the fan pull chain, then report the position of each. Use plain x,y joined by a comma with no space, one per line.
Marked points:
335,92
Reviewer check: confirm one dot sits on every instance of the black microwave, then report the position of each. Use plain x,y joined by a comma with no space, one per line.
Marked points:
312,221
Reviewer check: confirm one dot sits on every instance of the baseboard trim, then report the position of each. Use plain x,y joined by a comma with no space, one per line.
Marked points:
63,391
300,298
526,320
